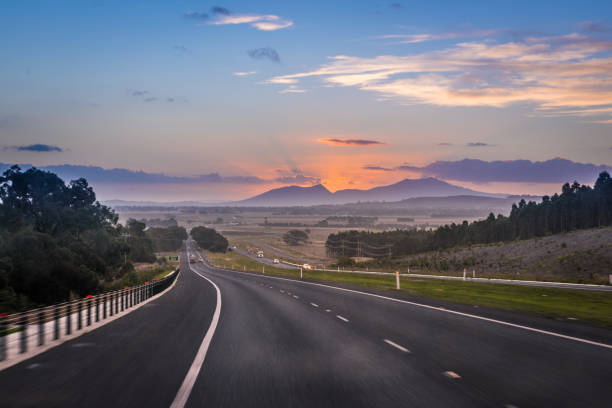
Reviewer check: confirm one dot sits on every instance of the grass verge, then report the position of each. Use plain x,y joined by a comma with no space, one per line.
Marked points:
563,304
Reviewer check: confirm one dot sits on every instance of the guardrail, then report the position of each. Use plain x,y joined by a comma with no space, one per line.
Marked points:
38,326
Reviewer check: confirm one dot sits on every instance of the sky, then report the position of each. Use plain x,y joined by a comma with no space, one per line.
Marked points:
238,97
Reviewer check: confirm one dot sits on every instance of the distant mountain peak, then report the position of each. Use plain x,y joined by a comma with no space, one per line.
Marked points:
319,194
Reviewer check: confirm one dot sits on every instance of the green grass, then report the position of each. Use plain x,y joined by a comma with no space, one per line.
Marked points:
589,306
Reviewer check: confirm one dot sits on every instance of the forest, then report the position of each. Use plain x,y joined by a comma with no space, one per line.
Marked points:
576,207
58,241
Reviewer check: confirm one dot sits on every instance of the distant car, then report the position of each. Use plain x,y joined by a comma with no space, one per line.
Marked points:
260,254
276,260
307,266
192,259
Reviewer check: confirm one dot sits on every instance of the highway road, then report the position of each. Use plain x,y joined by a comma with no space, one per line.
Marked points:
231,339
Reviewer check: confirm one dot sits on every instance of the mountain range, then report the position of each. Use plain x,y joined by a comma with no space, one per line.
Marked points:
318,194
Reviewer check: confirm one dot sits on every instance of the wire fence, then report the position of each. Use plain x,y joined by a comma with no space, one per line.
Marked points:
34,328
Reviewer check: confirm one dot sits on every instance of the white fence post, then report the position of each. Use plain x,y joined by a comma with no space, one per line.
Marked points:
300,272
464,274
397,280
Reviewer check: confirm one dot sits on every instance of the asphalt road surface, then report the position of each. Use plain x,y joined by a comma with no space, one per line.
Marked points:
285,343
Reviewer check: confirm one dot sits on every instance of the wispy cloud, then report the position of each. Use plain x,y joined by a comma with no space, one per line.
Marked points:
39,148
220,10
150,99
378,168
263,22
595,26
291,89
196,15
350,142
553,73
136,92
555,170
243,74
180,49
445,144
264,53
477,144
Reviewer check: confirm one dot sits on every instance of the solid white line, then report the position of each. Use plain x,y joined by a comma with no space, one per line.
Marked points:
342,318
297,297
397,346
183,393
314,304
486,319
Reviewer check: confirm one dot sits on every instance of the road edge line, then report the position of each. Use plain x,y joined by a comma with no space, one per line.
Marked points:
180,400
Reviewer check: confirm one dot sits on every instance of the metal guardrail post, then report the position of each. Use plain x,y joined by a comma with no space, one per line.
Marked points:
104,306
116,302
111,304
68,318
41,328
97,308
89,312
122,299
56,322
23,336
3,334
79,315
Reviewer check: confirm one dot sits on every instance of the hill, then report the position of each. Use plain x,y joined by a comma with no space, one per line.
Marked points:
318,194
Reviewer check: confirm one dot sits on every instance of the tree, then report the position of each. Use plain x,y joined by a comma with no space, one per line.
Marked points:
208,238
295,237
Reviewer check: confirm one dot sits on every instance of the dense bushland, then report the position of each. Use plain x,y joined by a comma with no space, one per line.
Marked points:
577,207
57,241
208,238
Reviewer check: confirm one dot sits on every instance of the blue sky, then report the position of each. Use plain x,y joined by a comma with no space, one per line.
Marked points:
181,88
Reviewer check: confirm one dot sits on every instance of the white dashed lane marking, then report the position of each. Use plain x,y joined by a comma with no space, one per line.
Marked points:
314,304
344,319
451,374
397,346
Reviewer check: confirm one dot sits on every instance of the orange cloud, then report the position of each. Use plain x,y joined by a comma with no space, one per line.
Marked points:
349,142
563,73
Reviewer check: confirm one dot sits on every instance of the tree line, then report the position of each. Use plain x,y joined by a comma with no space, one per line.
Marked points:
208,238
57,240
576,207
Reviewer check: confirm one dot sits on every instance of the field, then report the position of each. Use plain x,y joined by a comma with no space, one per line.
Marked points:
583,256
561,304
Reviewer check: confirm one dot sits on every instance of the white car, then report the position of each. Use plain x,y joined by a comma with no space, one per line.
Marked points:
307,266
276,260
260,254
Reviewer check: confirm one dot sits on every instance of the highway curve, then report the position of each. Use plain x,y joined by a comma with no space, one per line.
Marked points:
281,343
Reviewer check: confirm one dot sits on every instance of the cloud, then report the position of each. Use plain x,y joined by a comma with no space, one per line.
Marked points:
350,142
195,15
594,26
220,10
445,144
263,22
37,148
395,5
180,49
265,52
95,174
150,99
556,170
136,92
298,179
169,99
291,89
377,168
572,71
477,144
243,74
